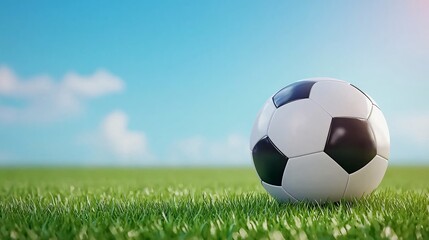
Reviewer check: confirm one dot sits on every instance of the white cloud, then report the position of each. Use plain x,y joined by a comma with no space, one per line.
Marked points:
98,84
413,127
4,157
43,99
197,150
410,138
123,142
113,143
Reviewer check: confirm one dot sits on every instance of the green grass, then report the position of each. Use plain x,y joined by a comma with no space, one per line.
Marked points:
198,203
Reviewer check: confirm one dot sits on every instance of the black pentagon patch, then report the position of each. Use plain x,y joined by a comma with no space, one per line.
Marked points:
269,162
292,92
351,143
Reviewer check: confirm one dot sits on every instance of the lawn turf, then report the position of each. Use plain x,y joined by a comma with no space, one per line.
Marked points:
202,203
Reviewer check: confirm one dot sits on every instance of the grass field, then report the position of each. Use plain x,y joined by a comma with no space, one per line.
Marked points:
198,203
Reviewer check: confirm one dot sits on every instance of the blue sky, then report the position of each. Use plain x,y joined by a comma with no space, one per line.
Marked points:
181,82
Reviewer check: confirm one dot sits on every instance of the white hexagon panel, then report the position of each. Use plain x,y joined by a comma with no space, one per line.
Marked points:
340,99
381,132
278,192
315,177
299,127
366,179
260,127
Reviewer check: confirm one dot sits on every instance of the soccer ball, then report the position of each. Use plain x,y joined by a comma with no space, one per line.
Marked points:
318,140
